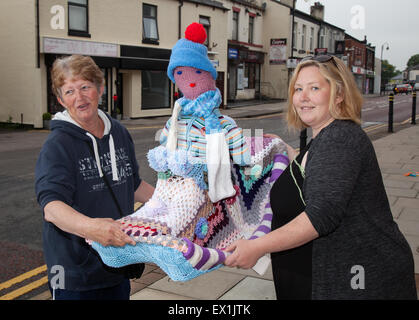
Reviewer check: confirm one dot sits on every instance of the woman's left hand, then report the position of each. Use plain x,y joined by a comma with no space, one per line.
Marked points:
245,254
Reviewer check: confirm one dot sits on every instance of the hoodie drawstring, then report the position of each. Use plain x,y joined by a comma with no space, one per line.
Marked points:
112,153
113,158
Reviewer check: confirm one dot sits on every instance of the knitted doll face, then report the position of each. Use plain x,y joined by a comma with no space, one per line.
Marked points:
193,82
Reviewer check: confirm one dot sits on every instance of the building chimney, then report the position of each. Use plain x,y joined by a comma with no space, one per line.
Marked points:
317,11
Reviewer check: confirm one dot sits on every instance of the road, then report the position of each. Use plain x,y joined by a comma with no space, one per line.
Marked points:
21,223
375,110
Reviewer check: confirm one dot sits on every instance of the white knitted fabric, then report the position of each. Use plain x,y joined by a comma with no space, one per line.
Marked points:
175,203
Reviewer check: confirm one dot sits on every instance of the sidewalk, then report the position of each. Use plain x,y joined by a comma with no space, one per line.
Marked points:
235,111
397,153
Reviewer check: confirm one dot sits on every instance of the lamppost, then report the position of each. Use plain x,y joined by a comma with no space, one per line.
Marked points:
381,59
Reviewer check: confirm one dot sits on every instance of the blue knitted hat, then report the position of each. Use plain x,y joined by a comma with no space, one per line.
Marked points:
190,52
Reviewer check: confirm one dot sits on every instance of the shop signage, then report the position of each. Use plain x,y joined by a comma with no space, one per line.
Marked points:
278,51
89,48
292,63
358,70
215,63
320,51
233,53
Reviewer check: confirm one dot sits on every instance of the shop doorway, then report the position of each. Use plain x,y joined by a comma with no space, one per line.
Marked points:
219,83
232,82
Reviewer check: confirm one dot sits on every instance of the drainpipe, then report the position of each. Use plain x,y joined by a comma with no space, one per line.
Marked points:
38,54
180,19
292,29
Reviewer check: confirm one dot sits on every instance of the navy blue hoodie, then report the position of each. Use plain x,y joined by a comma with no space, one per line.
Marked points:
67,171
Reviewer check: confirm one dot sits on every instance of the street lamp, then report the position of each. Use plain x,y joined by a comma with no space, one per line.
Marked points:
381,61
382,47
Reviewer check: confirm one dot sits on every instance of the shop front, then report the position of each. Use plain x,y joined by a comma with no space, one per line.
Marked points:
136,83
244,73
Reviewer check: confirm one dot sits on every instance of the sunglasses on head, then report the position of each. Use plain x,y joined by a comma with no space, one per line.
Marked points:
321,58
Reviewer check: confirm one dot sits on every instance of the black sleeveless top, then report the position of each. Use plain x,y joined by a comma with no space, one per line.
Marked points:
291,268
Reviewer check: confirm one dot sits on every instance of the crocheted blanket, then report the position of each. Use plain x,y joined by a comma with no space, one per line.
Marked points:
184,233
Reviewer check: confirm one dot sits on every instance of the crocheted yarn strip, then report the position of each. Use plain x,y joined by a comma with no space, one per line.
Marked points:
183,232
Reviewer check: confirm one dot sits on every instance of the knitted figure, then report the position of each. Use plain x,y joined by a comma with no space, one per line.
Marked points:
202,201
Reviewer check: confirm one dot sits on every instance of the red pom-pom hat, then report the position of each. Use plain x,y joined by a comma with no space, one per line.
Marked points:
190,52
196,32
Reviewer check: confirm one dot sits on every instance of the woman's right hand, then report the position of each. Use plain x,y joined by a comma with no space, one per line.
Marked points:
271,135
108,232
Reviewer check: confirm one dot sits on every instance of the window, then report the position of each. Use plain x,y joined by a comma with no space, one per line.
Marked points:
235,35
321,42
251,26
311,39
205,21
78,18
294,36
303,38
150,30
330,47
155,90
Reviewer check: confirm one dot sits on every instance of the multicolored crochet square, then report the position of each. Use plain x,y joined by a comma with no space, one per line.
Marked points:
183,232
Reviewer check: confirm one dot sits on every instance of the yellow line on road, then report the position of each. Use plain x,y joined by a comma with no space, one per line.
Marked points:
23,277
409,119
21,291
375,127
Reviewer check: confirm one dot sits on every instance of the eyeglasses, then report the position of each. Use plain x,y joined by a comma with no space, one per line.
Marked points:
321,58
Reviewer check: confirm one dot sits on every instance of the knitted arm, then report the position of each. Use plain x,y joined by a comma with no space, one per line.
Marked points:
165,132
239,149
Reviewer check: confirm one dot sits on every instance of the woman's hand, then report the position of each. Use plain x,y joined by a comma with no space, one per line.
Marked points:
108,232
245,254
271,135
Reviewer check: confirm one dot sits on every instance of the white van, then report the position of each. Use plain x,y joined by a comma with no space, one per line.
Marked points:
416,86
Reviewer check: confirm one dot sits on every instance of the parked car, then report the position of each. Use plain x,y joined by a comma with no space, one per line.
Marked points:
403,88
389,87
416,86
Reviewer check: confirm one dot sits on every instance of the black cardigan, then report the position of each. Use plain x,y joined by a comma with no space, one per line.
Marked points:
360,253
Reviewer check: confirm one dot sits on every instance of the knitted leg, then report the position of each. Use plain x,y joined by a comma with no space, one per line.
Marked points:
203,258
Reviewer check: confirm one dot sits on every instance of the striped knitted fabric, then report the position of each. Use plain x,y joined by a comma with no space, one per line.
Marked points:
194,247
191,137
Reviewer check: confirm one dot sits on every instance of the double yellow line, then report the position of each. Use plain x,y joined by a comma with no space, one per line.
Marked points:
27,288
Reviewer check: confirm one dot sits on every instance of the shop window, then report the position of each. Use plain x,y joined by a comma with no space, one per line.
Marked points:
205,21
155,92
150,29
78,18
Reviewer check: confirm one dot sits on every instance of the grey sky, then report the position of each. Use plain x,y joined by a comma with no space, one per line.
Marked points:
391,21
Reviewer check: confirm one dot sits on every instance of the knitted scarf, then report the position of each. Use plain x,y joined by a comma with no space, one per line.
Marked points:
204,106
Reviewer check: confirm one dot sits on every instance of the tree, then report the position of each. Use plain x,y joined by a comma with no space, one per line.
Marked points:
388,71
414,60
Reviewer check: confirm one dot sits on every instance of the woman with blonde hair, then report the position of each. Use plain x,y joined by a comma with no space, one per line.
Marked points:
333,235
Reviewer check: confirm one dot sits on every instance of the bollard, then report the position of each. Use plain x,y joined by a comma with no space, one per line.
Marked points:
303,139
390,111
413,108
